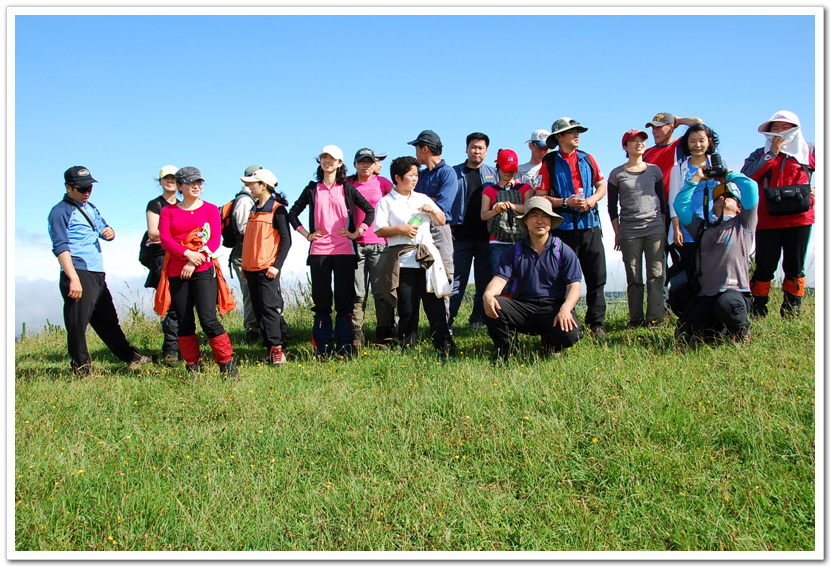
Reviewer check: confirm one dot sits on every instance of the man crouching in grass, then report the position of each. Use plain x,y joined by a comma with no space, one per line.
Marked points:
544,277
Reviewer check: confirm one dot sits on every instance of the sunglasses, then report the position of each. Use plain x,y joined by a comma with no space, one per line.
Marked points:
84,190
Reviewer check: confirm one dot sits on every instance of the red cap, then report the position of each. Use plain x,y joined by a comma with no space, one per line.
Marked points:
631,134
507,160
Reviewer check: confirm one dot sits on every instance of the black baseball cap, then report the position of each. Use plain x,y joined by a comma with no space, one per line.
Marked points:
78,176
187,175
427,137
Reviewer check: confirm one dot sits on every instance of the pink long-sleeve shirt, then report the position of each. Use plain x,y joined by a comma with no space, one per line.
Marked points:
176,224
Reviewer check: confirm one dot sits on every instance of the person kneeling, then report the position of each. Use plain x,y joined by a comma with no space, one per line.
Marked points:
544,282
721,307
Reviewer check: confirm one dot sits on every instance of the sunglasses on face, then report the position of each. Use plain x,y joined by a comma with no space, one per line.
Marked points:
84,190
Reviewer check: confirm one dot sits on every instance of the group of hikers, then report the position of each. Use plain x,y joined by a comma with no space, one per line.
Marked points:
530,233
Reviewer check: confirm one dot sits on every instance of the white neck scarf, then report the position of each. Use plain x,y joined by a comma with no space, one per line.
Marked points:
794,143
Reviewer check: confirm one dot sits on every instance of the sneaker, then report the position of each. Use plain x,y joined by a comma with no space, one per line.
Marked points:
598,332
136,364
276,356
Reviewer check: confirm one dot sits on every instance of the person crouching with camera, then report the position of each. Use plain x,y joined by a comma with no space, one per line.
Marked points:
725,240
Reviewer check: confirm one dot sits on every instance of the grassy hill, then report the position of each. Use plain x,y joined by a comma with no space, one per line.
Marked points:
632,444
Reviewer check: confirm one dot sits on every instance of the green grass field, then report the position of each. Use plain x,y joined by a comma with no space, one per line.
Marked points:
632,444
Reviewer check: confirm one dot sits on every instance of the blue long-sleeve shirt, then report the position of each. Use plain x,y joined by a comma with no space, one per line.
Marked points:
441,185
71,232
748,197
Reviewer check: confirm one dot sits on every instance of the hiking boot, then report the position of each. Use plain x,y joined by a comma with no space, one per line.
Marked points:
170,358
194,368
136,364
598,332
791,307
276,357
228,369
759,306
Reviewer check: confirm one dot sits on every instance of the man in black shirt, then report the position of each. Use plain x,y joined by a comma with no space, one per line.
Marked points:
471,240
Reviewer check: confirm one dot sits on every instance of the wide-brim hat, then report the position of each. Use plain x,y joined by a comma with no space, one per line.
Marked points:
561,126
780,116
544,205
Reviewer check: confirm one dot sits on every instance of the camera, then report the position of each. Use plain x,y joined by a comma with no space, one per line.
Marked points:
717,169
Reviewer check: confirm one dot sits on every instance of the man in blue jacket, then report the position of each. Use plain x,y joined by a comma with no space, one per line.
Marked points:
75,226
471,240
438,181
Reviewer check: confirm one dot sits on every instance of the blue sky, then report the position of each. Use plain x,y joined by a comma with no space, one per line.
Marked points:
124,95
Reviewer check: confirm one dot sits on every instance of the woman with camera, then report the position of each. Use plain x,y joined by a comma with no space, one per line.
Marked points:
786,160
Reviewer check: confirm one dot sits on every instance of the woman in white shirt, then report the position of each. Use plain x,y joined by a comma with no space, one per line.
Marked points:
414,270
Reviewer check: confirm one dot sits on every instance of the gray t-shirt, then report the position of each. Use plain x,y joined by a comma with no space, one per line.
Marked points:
724,252
530,174
640,196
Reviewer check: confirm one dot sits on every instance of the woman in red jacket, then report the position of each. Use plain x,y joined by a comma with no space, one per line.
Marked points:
785,159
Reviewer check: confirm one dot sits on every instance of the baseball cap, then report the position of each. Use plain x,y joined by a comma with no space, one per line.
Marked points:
167,170
544,205
724,189
332,150
631,134
661,119
507,160
426,137
78,176
251,169
538,137
261,175
365,152
560,126
187,175
381,156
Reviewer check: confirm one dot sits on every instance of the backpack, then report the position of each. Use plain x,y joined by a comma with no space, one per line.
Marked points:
230,230
504,226
145,258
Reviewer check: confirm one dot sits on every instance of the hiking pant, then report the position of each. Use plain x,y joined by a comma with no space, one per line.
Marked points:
633,250
464,252
412,289
199,292
267,305
324,268
442,238
769,245
370,259
529,317
711,316
587,244
249,316
95,308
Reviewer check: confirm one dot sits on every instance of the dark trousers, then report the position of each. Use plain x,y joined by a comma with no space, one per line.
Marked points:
768,247
266,301
464,252
95,308
341,268
200,292
529,317
587,244
711,316
412,289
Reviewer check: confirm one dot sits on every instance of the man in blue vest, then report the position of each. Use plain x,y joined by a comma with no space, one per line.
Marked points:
573,183
471,240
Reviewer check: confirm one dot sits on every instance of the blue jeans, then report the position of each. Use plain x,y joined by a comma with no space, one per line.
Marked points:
463,254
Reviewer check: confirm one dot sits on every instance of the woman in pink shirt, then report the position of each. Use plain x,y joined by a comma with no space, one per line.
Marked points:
332,231
190,233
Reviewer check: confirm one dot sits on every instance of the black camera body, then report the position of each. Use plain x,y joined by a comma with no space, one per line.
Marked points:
717,169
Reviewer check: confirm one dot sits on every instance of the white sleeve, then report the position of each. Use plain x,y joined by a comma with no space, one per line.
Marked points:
241,212
382,214
675,185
